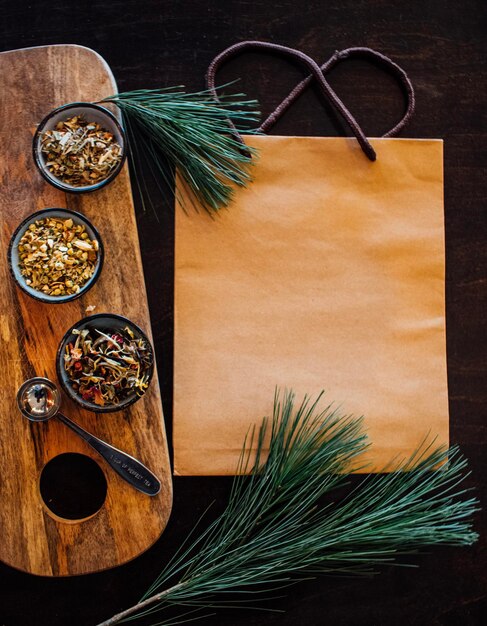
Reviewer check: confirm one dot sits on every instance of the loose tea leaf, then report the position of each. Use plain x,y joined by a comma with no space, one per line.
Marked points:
79,152
56,256
108,367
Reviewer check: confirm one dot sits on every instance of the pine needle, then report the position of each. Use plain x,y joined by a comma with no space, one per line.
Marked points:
276,530
189,133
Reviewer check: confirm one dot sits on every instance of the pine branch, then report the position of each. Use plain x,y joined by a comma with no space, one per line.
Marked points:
275,530
189,133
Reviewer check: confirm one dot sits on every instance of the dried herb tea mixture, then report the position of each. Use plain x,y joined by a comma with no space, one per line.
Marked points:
56,256
79,152
106,368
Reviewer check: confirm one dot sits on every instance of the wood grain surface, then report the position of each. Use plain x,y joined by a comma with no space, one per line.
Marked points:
34,81
442,44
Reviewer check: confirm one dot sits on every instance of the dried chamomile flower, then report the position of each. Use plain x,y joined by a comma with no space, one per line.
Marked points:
56,256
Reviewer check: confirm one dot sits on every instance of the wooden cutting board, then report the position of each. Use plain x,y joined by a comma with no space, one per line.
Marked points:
33,81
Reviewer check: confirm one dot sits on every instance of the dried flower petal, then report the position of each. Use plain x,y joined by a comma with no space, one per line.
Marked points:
108,367
46,256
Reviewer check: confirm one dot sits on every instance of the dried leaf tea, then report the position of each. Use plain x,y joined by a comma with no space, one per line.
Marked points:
79,152
106,368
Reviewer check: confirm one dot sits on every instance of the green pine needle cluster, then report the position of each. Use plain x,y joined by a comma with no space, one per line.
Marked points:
276,530
189,133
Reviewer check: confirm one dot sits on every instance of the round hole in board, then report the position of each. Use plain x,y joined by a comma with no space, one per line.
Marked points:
73,486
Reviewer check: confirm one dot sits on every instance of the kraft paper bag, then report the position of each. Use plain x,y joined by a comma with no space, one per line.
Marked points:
327,272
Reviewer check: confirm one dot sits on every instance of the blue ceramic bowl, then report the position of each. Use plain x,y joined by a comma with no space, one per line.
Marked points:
107,323
13,254
93,113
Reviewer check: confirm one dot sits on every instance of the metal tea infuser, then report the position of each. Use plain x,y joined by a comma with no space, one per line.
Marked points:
39,400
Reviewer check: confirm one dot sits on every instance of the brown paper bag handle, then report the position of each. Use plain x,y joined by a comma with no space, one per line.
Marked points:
318,73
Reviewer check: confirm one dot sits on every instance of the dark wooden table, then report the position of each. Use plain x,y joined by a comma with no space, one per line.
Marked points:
443,46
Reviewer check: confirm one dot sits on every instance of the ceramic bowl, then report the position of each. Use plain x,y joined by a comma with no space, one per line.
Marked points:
107,323
91,113
13,254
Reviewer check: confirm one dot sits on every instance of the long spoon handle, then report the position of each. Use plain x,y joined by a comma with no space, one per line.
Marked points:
128,468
